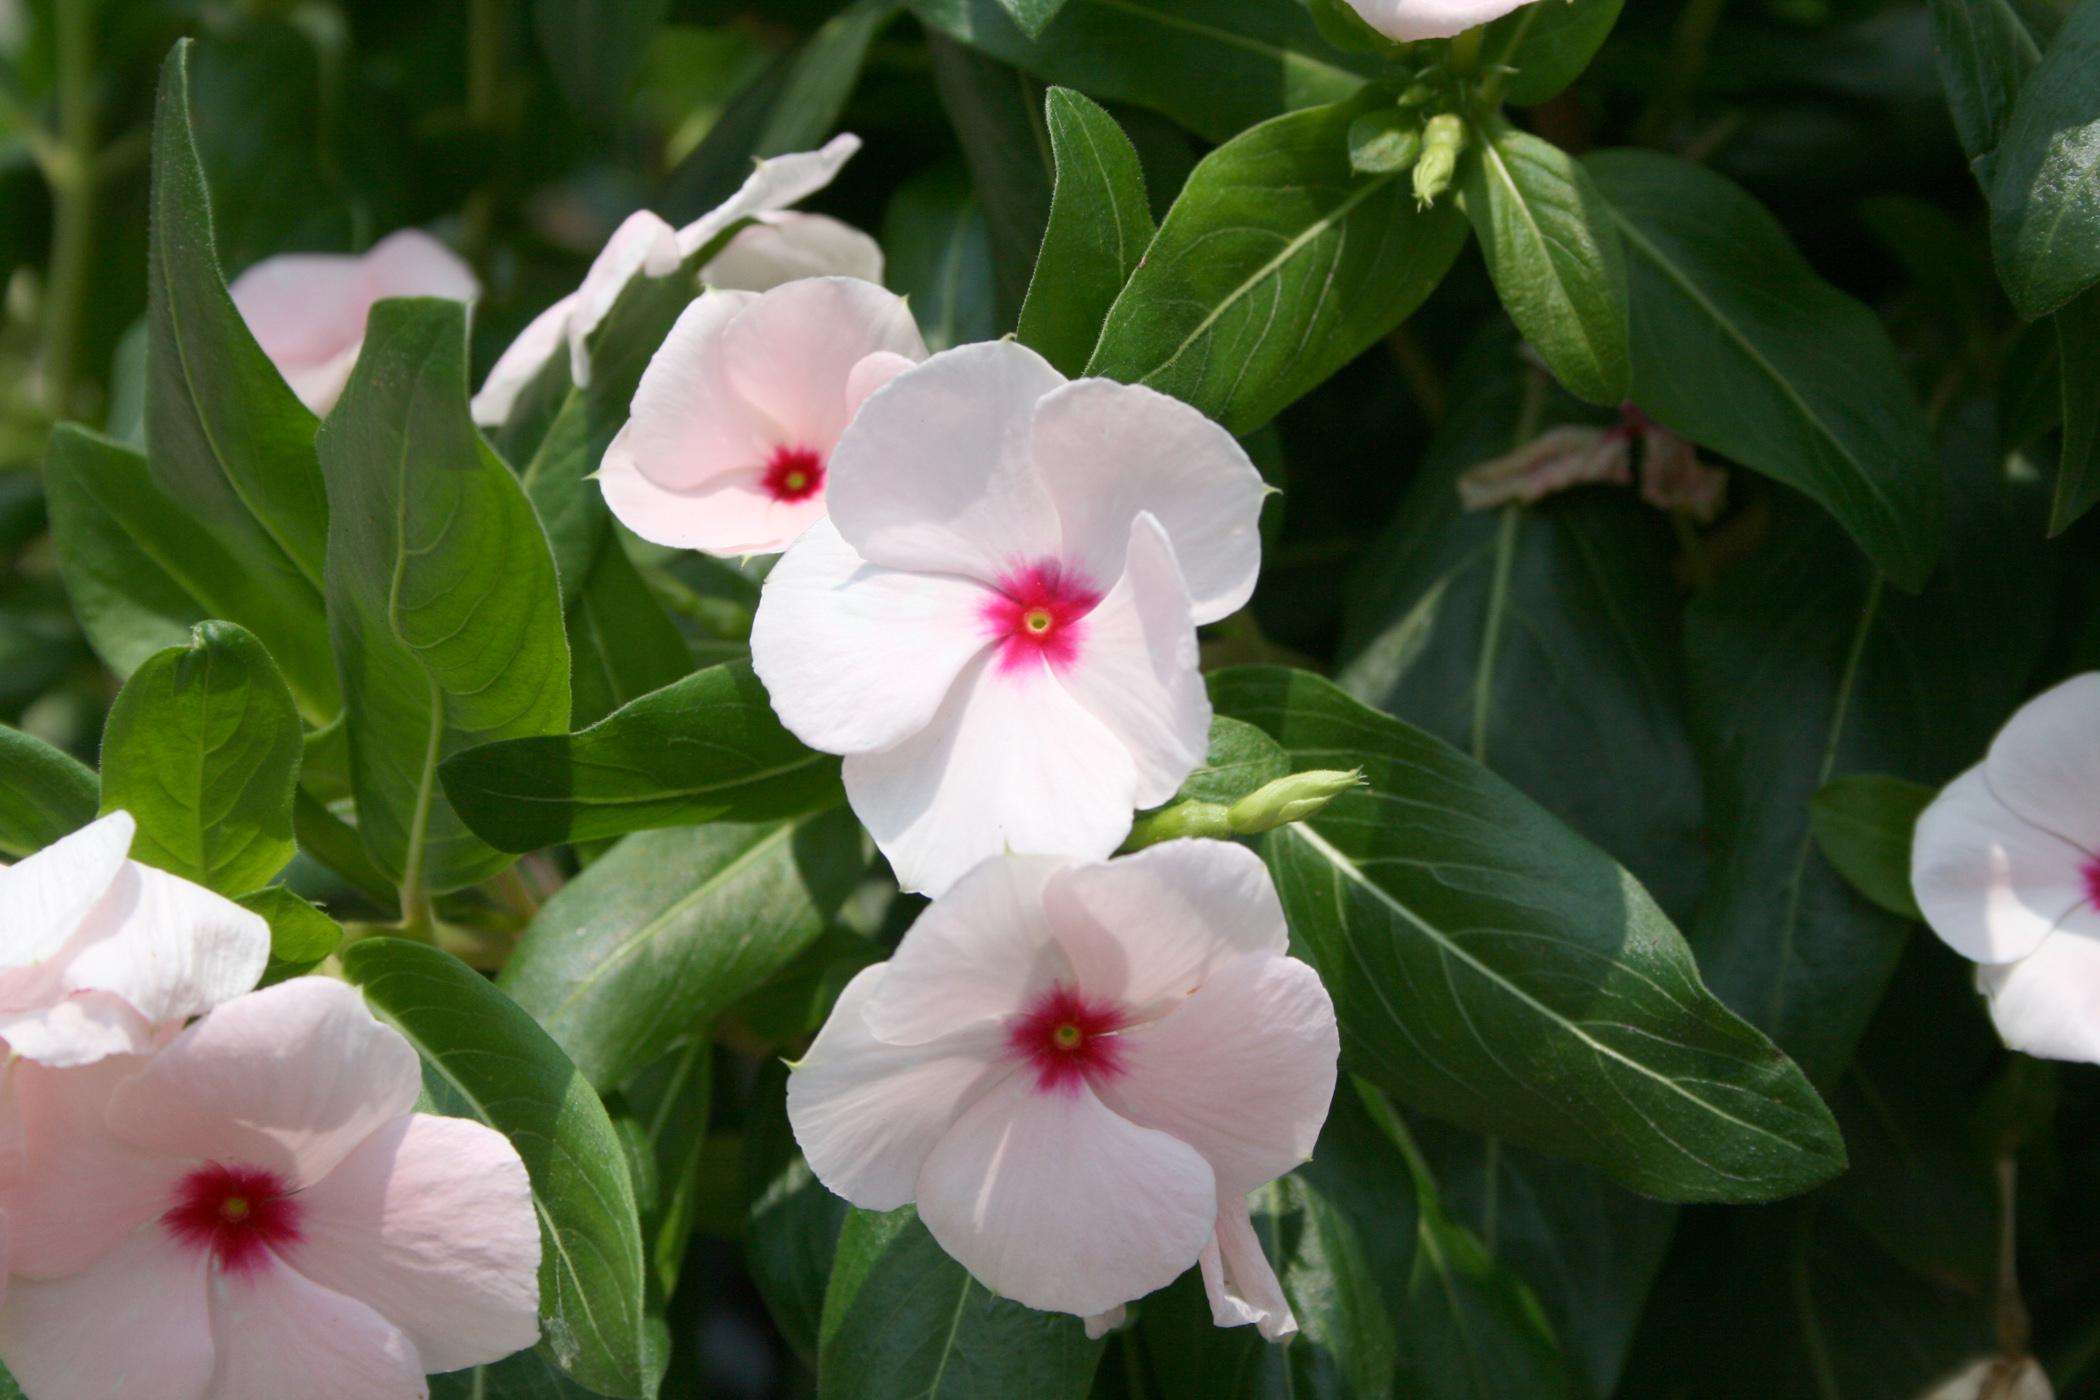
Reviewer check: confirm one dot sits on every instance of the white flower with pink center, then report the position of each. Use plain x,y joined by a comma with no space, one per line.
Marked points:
308,310
100,955
775,247
1408,20
995,623
736,417
1078,1071
2006,867
256,1212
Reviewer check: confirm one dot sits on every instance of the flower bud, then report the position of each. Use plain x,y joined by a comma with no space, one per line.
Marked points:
1443,139
1291,799
1182,819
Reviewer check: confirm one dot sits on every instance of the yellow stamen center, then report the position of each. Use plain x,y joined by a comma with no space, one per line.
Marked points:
234,1209
795,481
1037,620
1067,1036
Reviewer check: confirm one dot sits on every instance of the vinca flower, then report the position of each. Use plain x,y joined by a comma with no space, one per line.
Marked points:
737,415
1078,1071
1406,20
100,955
308,310
2006,868
996,622
766,253
255,1212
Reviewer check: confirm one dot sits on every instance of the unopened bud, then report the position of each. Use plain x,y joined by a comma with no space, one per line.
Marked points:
1418,94
1443,140
1291,799
1384,143
1183,819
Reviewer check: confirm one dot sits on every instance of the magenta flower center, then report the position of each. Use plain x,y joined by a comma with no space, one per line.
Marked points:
794,474
1039,614
239,1214
1068,1040
2092,881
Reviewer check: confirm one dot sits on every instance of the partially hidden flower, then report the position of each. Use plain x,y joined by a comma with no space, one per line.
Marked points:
995,624
308,310
1673,479
769,251
2006,869
1407,20
737,415
256,1211
100,955
1995,1378
1078,1072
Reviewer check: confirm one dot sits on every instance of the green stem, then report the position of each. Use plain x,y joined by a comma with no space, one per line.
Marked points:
1689,46
417,920
71,171
485,26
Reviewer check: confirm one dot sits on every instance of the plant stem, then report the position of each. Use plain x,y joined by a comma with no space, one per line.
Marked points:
2011,1315
485,26
72,173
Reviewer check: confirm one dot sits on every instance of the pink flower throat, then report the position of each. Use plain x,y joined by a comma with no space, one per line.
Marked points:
1040,614
794,474
2092,881
1068,1040
239,1214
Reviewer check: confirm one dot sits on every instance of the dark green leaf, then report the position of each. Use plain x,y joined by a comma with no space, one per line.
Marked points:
442,598
2078,368
655,938
44,794
1276,266
202,748
1548,43
1241,758
484,1058
225,437
1985,52
1033,16
1835,659
794,1221
529,1375
1553,251
1098,231
1476,950
664,1111
902,1318
1862,824
997,114
1738,345
939,254
594,48
301,936
822,77
2045,180
707,748
139,586
622,645
1215,66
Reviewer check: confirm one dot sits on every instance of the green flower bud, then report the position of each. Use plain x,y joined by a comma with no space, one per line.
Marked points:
1383,142
1443,140
1208,819
1291,799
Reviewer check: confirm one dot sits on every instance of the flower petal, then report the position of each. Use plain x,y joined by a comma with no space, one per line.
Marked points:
689,424
1990,883
410,263
44,897
76,1028
792,352
1010,762
281,1335
169,948
782,247
855,656
2048,1003
430,1222
774,183
643,244
290,1079
980,952
1408,20
1237,1276
133,1323
871,374
1137,669
1108,451
1101,1324
519,364
2045,763
1147,930
1056,1202
726,515
304,309
866,1113
934,475
1243,1071
82,1189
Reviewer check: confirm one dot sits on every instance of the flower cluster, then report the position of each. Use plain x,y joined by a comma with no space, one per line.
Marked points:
241,1204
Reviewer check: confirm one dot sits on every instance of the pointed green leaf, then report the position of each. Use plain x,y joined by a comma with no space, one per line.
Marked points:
202,747
1277,265
442,598
1548,44
484,1058
1099,228
1738,345
301,936
1553,251
44,794
822,76
1985,51
2045,178
2078,370
1862,824
594,48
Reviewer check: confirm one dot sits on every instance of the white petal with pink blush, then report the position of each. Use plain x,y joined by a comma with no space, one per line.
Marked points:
100,955
1089,1123
270,1217
1024,561
1407,20
729,445
772,249
2005,865
308,310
